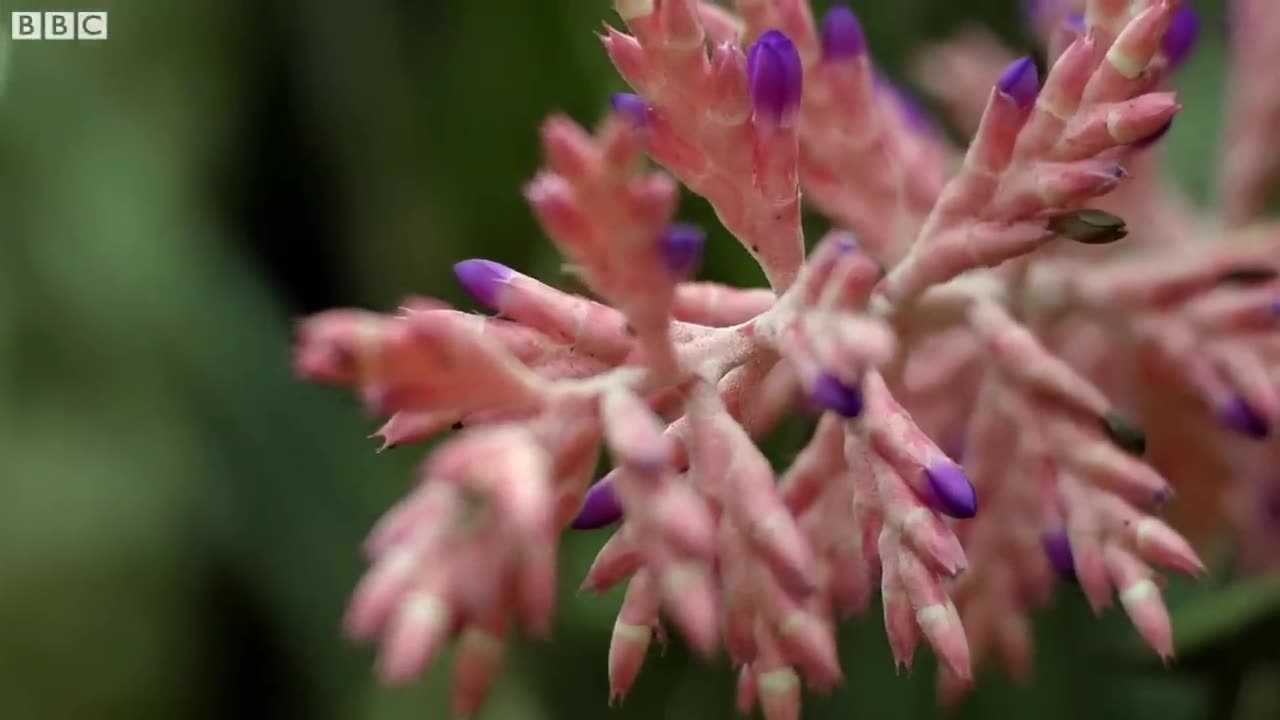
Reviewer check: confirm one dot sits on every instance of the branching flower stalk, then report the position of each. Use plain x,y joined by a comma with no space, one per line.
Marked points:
977,310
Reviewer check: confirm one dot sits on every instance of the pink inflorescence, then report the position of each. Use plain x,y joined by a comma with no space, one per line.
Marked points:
969,305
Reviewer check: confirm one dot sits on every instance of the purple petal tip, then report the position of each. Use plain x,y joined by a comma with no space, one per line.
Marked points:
953,494
1074,23
630,107
682,248
912,112
1058,549
1020,81
848,242
1180,38
1033,11
774,76
1237,415
830,394
483,279
599,508
1038,13
842,36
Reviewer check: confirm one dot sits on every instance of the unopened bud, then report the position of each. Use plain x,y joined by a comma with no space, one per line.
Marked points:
599,508
1058,549
829,393
682,248
1020,81
630,107
1088,226
952,493
1124,434
842,36
1180,38
1236,414
775,77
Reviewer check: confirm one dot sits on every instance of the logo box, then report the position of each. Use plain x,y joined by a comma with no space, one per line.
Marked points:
58,25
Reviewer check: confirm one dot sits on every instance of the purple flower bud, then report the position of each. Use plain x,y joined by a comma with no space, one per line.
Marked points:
952,493
916,116
682,248
600,507
1033,11
1236,415
483,279
842,37
1180,38
1074,23
829,393
1154,137
1020,82
775,77
630,107
1275,307
1058,548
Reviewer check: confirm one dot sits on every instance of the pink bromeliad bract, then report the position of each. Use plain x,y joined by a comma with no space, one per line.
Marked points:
991,307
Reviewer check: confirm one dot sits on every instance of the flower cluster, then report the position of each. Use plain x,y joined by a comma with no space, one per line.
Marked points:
975,307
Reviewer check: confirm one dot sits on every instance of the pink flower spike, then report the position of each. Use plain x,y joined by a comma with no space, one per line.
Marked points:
936,615
937,481
748,692
939,312
1127,59
719,305
1140,597
405,428
777,683
616,561
628,57
418,631
632,633
633,434
899,619
476,664
719,23
1112,125
1160,544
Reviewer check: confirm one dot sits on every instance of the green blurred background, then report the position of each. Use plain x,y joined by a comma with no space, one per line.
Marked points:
180,520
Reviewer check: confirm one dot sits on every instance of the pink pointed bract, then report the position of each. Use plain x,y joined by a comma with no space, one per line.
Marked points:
1004,347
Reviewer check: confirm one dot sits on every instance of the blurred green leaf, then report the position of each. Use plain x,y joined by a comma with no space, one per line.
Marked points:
1222,620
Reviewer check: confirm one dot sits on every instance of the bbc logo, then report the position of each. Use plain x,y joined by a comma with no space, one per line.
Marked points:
28,25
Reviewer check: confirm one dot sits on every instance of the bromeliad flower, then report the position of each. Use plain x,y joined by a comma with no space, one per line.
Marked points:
978,312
